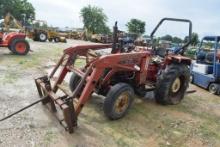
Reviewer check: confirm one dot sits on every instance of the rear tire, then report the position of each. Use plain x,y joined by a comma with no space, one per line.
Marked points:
172,84
19,46
118,101
42,36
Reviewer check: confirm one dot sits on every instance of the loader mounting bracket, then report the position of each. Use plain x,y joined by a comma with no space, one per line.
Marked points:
68,119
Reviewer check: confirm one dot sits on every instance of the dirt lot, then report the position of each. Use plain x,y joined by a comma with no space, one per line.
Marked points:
195,122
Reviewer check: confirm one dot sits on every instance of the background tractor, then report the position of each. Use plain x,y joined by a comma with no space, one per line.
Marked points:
39,31
15,41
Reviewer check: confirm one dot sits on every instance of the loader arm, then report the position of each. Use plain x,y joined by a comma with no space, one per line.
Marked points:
72,103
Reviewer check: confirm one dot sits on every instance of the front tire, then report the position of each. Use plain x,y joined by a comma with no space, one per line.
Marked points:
56,39
172,84
118,101
74,81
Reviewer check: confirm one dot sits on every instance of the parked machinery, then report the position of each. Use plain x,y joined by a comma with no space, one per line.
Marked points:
55,36
40,32
101,38
15,41
205,70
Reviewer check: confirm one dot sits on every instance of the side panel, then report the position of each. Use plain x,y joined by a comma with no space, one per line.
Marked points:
202,80
202,68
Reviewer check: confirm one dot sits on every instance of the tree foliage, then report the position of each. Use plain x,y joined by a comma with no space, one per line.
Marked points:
195,39
172,39
186,39
167,38
136,26
20,9
177,40
94,20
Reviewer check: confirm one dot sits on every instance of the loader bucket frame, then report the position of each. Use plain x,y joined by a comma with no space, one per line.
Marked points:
71,104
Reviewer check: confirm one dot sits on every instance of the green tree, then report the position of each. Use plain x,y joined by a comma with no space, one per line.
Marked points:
177,40
94,20
136,26
194,40
186,39
20,9
167,38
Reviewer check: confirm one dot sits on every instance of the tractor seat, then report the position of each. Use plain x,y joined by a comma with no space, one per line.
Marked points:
161,52
206,58
210,57
201,56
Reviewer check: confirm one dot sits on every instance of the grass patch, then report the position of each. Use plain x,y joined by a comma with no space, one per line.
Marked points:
35,59
80,63
208,128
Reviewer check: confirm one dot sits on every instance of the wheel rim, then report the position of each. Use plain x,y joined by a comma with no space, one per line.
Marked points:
122,102
57,40
212,88
176,85
42,36
20,47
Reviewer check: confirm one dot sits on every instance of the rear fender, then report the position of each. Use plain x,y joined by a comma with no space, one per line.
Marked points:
7,39
178,59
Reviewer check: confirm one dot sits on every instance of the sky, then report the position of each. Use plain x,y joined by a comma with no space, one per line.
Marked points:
204,14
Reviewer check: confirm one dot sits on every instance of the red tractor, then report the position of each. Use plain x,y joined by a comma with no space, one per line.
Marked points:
15,42
117,76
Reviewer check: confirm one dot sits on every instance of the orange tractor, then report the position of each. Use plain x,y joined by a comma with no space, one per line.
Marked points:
15,41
